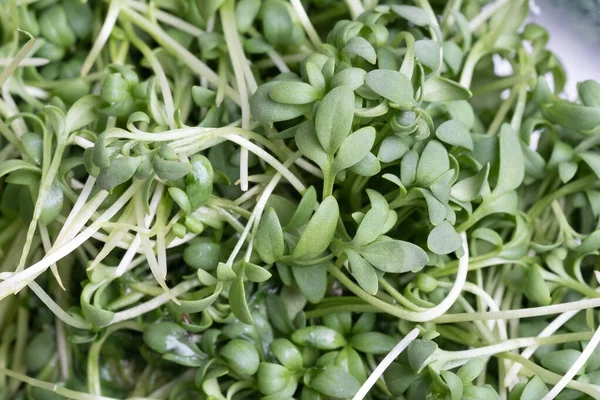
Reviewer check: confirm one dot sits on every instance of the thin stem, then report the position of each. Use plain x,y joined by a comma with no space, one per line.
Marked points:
577,365
385,363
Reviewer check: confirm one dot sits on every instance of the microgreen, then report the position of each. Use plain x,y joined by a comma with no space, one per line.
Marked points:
243,199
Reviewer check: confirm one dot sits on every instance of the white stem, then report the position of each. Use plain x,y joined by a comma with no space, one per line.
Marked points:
457,287
166,18
137,240
486,13
385,363
156,302
238,58
511,375
26,62
305,21
581,360
522,313
269,159
21,279
103,35
57,310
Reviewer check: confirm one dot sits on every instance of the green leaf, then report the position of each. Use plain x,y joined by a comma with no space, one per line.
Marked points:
455,133
561,360
120,170
294,93
199,181
373,342
351,77
312,281
438,89
435,208
512,166
393,148
168,170
395,256
363,272
202,254
351,361
368,166
567,170
246,12
433,163
242,356
413,14
535,288
354,148
419,353
408,167
371,225
398,378
453,56
572,116
318,234
320,337
265,109
54,26
454,384
40,350
287,354
335,382
277,22
471,370
304,210
470,188
535,389
359,46
308,144
589,93
8,166
53,203
443,239
333,119
479,393
82,113
592,160
269,242
278,314
209,7
392,85
256,273
428,52
203,97
272,378
315,77
237,301
168,338
181,199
